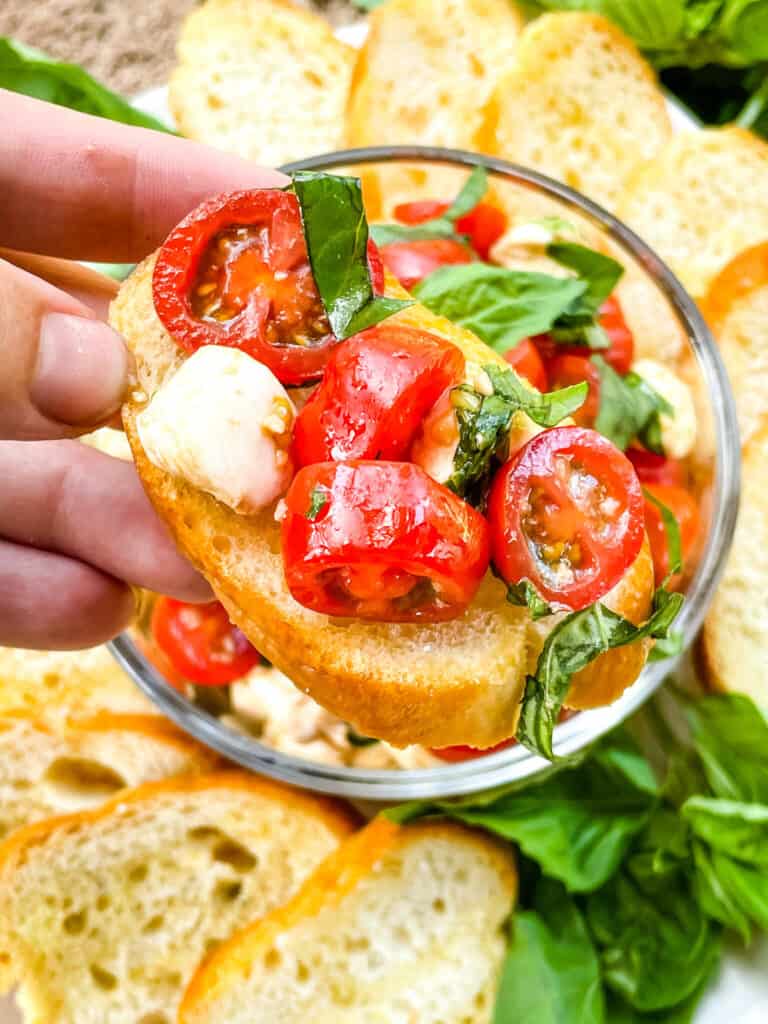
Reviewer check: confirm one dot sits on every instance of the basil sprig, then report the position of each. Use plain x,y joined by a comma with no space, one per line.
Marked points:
573,644
444,226
672,531
527,596
601,274
629,408
336,233
484,422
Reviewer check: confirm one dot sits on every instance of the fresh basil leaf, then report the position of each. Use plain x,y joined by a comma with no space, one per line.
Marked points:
500,306
28,71
601,274
588,335
484,422
444,226
551,974
662,849
672,531
685,777
356,740
525,594
575,642
336,233
318,499
731,737
629,409
714,897
668,646
546,409
745,886
620,1012
470,194
656,944
738,829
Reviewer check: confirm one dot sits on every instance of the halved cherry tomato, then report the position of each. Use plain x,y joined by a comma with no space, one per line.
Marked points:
567,369
383,541
377,388
656,469
201,643
411,262
684,508
485,224
524,358
235,272
566,513
619,355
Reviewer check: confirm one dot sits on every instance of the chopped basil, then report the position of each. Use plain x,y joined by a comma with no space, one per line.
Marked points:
33,73
629,408
354,739
572,645
668,646
336,233
672,530
500,306
524,593
318,499
600,273
444,226
484,421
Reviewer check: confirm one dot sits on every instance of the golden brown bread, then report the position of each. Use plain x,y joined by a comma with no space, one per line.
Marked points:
436,684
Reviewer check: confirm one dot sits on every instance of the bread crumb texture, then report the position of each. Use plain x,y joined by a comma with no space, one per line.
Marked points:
400,925
104,915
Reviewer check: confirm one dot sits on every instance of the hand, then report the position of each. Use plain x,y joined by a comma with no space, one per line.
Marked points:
75,526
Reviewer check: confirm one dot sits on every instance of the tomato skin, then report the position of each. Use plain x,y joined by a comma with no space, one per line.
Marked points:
525,360
684,508
411,262
377,388
621,353
485,224
383,530
200,642
656,469
570,369
557,535
456,755
263,305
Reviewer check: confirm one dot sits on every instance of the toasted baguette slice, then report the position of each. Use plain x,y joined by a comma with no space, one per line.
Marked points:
734,642
423,76
54,683
48,768
736,308
701,201
265,80
104,915
436,684
579,104
399,925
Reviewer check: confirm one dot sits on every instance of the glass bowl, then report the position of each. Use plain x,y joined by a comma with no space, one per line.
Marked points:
717,424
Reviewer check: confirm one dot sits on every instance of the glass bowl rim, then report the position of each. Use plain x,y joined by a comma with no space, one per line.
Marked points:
515,764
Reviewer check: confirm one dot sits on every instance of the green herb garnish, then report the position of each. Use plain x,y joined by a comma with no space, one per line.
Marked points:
576,641
356,740
318,499
672,531
629,408
525,594
336,233
444,226
28,71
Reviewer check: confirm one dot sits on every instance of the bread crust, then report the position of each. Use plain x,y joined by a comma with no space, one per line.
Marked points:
438,684
336,877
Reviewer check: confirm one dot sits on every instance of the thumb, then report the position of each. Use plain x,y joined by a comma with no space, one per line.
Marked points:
64,371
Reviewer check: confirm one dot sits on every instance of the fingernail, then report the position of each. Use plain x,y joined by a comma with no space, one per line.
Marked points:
81,373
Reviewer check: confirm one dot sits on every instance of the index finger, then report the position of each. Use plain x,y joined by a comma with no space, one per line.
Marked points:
82,187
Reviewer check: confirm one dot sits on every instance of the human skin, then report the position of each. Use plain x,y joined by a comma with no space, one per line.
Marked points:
76,529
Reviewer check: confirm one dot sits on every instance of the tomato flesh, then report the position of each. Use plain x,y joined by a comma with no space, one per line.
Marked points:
382,541
411,262
565,370
236,272
566,513
455,755
201,643
377,388
525,360
684,508
484,225
656,469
